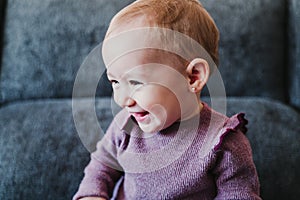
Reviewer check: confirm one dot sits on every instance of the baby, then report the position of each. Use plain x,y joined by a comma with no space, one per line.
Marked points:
166,143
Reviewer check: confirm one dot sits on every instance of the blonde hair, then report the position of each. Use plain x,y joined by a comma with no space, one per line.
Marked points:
185,16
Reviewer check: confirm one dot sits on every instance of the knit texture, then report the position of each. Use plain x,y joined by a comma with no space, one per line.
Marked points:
214,163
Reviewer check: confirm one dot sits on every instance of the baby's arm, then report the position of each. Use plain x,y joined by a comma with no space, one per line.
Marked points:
103,171
99,181
236,175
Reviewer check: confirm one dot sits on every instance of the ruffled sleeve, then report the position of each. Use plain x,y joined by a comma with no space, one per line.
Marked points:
233,124
235,172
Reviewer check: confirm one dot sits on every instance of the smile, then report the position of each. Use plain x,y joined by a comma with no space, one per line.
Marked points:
140,116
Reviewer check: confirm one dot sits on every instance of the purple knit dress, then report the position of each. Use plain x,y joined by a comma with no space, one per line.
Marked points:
206,157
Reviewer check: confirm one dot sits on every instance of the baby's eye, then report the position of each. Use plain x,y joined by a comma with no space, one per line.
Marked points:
133,82
114,82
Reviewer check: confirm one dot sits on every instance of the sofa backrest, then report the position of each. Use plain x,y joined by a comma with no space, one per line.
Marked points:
294,53
2,16
45,43
252,46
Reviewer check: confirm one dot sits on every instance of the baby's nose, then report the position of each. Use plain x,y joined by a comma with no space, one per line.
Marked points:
124,100
129,102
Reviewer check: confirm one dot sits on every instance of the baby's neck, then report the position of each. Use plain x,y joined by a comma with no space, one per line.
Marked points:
195,112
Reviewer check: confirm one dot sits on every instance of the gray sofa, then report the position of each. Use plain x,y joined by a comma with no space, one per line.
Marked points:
44,43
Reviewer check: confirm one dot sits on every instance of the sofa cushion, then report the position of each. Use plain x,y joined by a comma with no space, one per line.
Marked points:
46,41
294,52
274,134
41,154
43,157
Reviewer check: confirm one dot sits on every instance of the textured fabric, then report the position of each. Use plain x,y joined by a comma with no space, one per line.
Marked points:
37,134
273,131
246,54
46,42
216,164
41,155
294,52
2,16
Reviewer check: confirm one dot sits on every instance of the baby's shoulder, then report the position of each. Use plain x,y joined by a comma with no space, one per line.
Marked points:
232,133
223,133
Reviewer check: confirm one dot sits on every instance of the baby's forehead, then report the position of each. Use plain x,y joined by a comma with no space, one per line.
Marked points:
147,56
144,63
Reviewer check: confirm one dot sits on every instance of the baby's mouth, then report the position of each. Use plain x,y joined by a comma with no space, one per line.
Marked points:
140,116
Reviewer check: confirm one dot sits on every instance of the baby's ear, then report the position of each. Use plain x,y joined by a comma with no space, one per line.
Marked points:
198,74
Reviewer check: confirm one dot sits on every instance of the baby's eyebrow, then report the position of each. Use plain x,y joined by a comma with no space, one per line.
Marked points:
131,73
109,75
138,71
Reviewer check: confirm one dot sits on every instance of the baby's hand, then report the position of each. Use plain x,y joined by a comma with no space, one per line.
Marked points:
92,198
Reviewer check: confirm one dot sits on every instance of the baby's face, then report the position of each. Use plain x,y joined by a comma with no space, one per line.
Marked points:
152,91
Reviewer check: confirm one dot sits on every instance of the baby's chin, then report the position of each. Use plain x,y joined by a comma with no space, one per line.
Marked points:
152,123
151,127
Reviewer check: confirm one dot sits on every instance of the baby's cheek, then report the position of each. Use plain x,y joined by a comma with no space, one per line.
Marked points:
144,100
117,98
144,95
